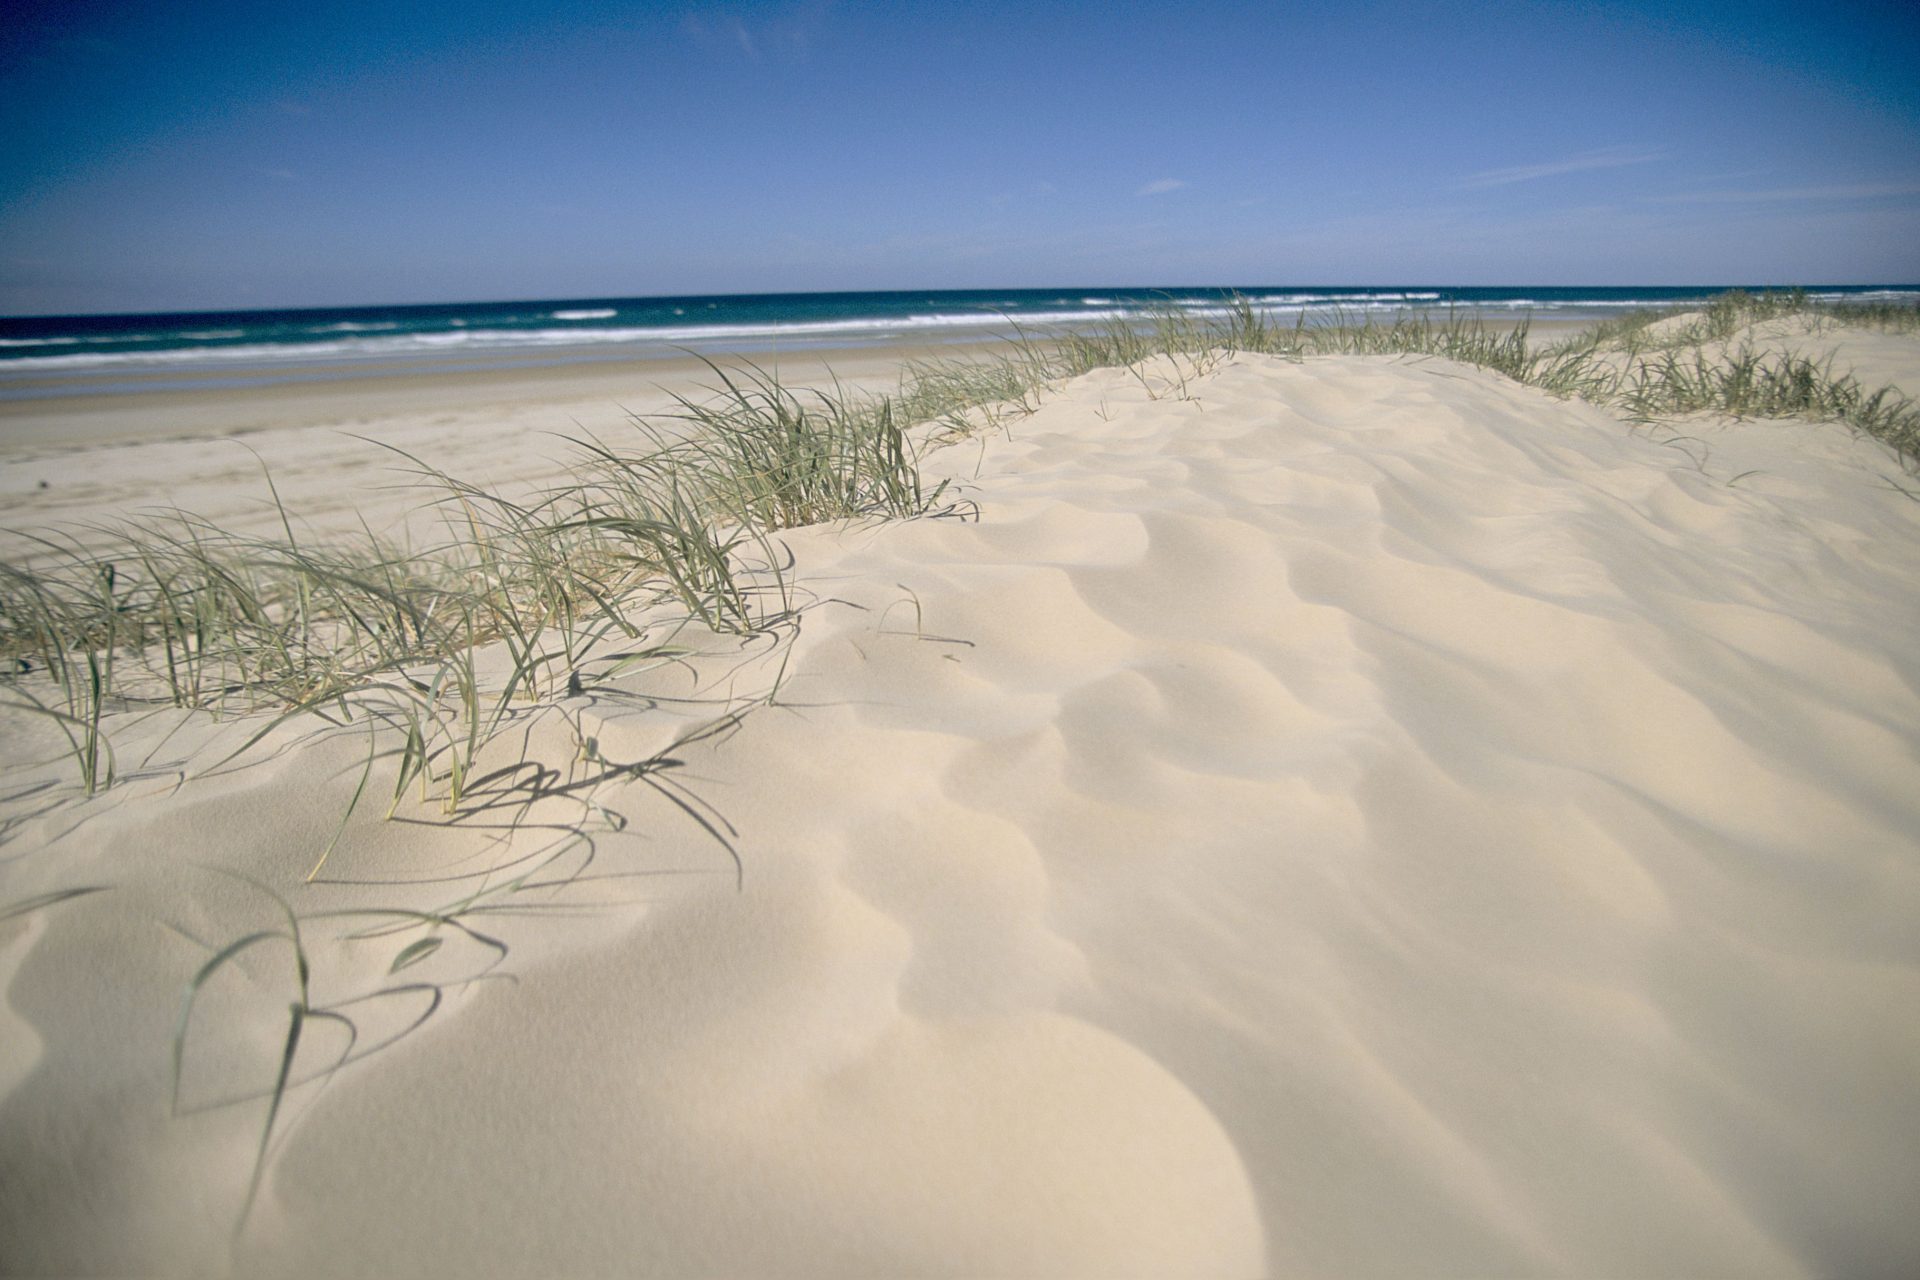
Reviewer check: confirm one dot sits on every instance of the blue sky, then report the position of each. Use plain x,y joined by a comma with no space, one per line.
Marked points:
200,155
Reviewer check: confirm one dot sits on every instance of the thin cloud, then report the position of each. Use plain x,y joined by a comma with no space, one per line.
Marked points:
1604,158
722,32
1160,187
785,34
1782,195
744,38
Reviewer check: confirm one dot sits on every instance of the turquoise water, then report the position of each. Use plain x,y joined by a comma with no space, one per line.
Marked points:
238,347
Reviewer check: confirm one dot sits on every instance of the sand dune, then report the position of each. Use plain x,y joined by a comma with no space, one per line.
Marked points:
1876,357
1357,817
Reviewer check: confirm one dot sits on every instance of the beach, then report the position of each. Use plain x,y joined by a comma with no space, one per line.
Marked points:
101,454
1355,814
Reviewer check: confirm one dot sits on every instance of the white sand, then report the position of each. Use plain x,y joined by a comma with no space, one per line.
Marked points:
1353,818
67,462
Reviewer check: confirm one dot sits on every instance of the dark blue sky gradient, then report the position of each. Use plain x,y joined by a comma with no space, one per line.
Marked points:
208,155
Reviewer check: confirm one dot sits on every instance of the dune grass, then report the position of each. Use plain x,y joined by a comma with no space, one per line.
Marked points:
1747,384
1708,362
1634,365
1725,315
168,609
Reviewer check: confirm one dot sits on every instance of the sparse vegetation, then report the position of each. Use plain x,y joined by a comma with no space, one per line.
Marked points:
1633,365
170,610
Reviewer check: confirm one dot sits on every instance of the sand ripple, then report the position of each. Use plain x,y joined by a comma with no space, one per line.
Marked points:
1359,817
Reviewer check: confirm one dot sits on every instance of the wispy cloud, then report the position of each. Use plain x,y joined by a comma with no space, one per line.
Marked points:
1783,195
1160,187
1603,158
722,31
744,38
787,33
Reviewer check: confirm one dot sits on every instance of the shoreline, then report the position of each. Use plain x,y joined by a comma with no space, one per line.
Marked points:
75,420
69,414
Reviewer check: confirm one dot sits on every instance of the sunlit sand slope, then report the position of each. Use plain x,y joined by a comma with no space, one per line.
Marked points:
1360,817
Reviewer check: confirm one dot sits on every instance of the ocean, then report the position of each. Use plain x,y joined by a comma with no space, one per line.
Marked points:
52,355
